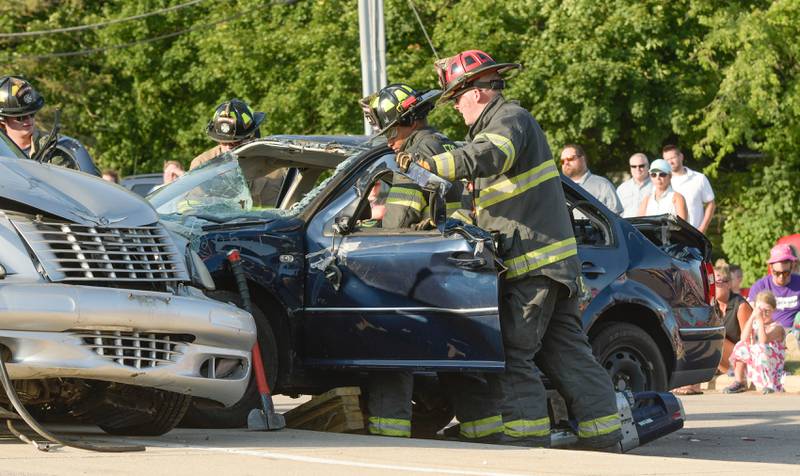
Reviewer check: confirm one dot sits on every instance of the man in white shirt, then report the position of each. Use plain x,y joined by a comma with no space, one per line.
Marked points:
574,165
632,191
694,187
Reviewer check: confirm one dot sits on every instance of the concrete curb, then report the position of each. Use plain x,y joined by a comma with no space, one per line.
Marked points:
791,383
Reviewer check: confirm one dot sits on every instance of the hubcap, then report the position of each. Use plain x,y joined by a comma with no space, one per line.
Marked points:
627,370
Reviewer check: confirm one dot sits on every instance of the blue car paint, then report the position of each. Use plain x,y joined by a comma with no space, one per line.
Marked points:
375,331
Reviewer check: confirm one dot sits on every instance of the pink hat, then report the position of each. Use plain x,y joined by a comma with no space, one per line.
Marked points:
781,253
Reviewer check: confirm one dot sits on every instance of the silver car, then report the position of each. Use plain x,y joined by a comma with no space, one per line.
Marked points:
99,317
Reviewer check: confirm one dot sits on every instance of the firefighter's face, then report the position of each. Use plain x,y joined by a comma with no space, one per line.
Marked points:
470,106
20,126
397,136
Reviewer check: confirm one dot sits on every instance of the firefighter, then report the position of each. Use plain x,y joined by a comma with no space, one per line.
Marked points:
19,103
232,125
520,197
400,113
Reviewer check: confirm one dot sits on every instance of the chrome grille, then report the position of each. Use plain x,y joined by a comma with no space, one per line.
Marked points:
141,350
74,252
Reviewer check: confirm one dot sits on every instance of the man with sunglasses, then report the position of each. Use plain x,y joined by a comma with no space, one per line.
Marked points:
19,103
574,165
782,283
519,196
632,191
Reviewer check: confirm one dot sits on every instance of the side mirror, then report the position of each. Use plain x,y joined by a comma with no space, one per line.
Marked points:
342,225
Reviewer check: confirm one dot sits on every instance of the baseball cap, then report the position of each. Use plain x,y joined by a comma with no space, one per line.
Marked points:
660,165
781,253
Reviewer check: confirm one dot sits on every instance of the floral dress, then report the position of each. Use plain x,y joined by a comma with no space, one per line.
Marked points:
764,361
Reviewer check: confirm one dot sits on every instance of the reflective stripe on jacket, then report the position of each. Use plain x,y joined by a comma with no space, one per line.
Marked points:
406,204
519,191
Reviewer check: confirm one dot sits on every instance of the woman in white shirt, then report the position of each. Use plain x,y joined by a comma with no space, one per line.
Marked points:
663,199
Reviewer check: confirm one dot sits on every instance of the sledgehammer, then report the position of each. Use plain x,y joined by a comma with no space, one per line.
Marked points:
264,418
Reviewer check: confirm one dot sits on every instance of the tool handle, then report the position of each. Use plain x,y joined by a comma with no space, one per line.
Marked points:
258,368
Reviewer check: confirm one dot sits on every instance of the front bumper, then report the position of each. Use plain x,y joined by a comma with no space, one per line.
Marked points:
45,327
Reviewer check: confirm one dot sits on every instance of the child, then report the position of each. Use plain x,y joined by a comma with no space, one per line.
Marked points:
761,351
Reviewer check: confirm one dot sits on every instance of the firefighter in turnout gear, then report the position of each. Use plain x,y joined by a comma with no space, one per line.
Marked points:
19,103
400,113
232,125
520,197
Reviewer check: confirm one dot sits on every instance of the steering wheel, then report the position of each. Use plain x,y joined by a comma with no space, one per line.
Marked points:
61,158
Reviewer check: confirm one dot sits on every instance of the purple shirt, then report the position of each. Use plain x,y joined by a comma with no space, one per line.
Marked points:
788,298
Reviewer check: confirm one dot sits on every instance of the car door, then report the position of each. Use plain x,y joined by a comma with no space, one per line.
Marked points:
378,298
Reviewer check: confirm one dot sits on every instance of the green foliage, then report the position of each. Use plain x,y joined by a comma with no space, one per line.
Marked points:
619,77
766,210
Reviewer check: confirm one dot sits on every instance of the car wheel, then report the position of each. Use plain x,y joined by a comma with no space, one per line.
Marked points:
204,413
121,409
631,358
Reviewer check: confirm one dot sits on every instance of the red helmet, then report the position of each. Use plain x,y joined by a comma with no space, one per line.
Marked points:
461,72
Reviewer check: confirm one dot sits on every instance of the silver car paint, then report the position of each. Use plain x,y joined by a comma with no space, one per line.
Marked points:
38,318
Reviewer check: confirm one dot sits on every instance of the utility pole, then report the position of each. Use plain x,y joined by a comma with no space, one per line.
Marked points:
373,49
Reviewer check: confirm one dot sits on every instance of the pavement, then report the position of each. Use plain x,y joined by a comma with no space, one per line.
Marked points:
725,434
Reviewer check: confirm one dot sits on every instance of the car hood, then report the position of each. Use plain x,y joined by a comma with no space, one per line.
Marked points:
72,195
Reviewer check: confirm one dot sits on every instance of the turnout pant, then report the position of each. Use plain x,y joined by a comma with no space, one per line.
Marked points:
389,403
541,327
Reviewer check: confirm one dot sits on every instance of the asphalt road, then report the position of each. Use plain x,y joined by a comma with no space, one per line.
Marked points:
725,434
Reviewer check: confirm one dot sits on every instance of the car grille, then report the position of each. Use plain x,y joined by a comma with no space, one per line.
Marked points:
74,252
141,350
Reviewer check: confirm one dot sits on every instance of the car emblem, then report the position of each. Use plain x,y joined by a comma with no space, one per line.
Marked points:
99,221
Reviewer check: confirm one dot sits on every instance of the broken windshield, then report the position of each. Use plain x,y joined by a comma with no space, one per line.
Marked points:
220,191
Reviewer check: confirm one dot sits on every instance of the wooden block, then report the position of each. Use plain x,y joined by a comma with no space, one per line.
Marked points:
336,410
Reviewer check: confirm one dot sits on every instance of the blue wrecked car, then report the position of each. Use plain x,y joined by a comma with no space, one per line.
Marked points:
336,295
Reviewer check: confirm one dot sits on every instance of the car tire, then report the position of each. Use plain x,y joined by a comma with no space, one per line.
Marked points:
130,410
204,413
631,357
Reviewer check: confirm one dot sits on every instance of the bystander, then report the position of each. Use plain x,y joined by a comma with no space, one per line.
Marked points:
632,191
782,283
574,164
694,187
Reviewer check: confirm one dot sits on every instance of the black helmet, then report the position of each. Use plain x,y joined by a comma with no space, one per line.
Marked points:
18,98
397,105
234,121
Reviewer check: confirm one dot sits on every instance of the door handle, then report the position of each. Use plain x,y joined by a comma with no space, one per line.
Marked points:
467,263
588,267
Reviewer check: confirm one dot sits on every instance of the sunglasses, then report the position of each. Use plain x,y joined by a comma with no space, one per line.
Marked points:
640,166
781,274
569,159
658,174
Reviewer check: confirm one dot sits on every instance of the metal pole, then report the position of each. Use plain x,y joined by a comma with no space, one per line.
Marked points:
373,49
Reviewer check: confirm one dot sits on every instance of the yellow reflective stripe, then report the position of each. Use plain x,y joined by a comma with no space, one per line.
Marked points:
459,215
389,426
505,145
445,165
543,256
481,428
526,428
504,189
452,207
406,197
599,426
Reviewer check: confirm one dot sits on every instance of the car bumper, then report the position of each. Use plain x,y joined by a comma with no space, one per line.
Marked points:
181,343
699,355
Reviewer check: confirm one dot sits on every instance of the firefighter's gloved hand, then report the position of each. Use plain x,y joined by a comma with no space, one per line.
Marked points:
404,160
425,224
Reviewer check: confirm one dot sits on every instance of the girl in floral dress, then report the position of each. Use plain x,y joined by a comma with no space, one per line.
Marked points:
761,351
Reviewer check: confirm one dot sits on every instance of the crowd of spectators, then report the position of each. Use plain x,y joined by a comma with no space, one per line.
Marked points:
757,326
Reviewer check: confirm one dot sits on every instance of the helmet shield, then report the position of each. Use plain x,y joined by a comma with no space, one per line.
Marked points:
18,98
233,121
